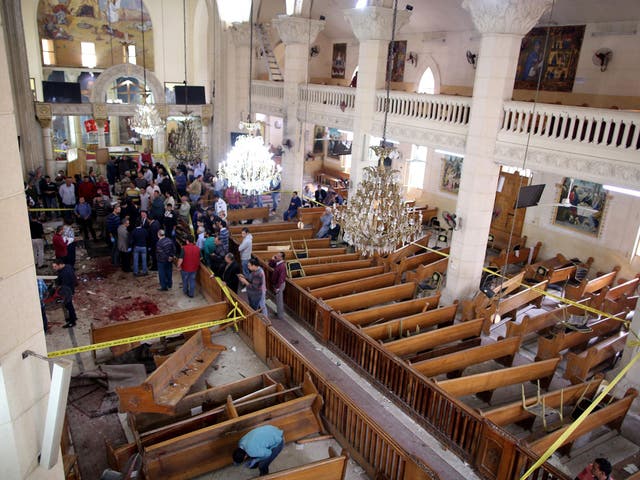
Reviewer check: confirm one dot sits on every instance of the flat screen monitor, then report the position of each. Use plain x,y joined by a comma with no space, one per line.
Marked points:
529,196
190,95
61,92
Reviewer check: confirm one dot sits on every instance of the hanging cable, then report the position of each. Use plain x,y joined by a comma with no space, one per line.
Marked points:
250,57
184,32
392,47
144,58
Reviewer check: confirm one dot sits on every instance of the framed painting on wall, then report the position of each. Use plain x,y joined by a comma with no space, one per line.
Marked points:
581,206
451,173
553,57
398,52
339,61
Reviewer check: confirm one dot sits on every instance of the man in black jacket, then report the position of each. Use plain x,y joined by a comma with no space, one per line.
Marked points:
165,253
66,282
139,240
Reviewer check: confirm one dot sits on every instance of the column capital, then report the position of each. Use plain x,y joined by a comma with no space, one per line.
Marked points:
100,111
514,17
240,33
375,23
298,30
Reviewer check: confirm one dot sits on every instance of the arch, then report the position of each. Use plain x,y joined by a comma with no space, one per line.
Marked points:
430,64
109,76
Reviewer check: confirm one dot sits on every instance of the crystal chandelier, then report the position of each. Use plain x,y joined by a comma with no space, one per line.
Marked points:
376,219
146,120
188,146
249,167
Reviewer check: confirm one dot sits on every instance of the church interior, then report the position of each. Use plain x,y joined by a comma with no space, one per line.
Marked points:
442,201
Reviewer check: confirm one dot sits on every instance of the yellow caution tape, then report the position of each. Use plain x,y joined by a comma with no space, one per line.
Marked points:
140,338
49,209
579,420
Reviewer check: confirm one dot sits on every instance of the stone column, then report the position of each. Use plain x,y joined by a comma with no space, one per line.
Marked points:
238,64
100,122
100,116
205,118
502,25
43,112
297,34
24,384
114,130
373,28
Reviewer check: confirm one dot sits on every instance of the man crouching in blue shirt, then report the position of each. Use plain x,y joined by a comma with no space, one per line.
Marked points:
259,447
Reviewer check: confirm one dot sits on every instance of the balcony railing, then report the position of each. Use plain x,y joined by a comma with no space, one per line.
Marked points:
342,97
614,129
266,89
439,108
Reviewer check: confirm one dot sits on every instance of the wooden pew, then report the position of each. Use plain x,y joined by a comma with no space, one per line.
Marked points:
262,227
337,267
501,240
310,217
332,468
359,301
614,299
514,413
210,398
540,322
424,272
551,347
423,320
210,448
580,365
559,261
477,306
298,244
171,381
425,341
157,323
394,310
515,257
395,257
354,286
240,214
414,261
427,213
576,292
611,415
327,279
507,306
345,257
265,255
489,381
281,237
454,363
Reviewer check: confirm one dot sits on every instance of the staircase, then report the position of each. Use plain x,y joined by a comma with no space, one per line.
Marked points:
267,55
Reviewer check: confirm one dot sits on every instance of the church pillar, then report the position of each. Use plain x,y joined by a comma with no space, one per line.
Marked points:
239,66
24,384
100,122
43,113
297,33
372,26
502,25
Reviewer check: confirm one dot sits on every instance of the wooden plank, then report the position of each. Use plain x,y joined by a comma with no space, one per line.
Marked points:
472,356
336,267
318,281
425,341
332,468
513,412
611,413
481,382
422,320
395,310
170,382
354,286
359,301
210,448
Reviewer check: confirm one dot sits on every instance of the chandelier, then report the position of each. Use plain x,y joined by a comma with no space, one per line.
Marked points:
376,219
187,146
249,167
146,120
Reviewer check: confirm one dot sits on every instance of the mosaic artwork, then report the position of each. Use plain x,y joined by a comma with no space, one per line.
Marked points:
398,56
451,173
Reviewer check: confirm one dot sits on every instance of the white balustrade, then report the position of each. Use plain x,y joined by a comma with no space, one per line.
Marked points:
618,129
266,89
343,97
421,106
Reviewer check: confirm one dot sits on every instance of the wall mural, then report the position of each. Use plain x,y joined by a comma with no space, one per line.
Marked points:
451,173
339,60
556,56
586,202
109,24
398,55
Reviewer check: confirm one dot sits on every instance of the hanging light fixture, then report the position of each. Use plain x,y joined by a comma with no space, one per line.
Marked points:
146,120
188,145
376,219
249,166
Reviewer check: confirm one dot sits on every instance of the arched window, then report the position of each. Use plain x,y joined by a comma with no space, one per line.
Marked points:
427,82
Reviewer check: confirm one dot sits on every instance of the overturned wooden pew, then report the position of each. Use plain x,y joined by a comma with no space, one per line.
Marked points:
581,365
453,364
332,468
611,415
483,384
210,448
392,311
171,381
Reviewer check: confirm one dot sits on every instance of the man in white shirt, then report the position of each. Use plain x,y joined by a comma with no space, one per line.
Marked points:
67,193
220,205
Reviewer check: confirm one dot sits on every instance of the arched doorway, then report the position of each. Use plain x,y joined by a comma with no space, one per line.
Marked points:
430,79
